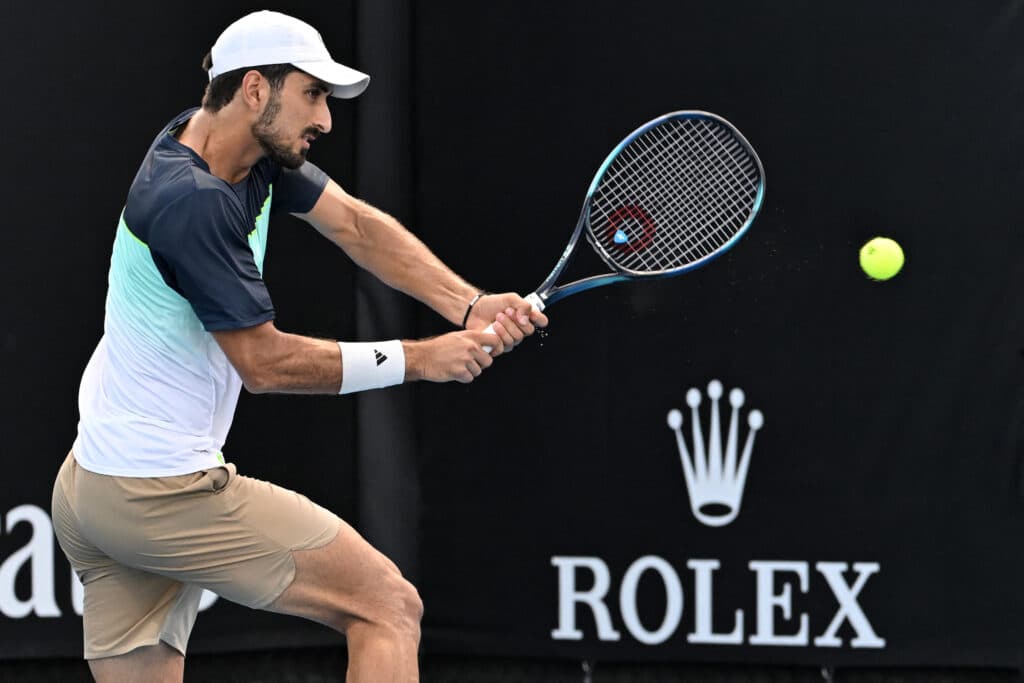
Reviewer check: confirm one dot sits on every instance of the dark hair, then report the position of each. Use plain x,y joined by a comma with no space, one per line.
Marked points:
222,89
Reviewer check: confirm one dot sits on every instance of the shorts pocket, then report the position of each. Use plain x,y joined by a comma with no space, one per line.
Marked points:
219,478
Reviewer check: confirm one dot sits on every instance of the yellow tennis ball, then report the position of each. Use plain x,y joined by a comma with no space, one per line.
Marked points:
881,258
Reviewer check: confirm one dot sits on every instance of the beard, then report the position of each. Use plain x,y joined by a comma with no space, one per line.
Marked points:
270,138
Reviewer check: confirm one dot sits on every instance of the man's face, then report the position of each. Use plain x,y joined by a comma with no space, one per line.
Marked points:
294,116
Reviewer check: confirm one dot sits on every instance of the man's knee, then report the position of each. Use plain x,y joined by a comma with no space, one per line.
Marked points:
391,604
404,609
158,663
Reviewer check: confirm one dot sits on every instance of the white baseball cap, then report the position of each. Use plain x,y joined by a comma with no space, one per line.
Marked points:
267,37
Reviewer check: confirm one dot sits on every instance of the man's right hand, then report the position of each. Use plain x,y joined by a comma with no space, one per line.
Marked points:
458,356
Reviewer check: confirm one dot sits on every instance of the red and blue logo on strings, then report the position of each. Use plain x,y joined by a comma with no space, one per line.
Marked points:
631,228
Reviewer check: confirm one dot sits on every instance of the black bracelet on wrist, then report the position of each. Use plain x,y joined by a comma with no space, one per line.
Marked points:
469,308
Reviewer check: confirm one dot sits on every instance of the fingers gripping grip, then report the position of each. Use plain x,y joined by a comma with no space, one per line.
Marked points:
534,300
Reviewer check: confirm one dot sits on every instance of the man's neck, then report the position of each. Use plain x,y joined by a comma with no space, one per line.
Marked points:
223,142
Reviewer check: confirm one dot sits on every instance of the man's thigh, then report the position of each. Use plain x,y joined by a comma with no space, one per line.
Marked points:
348,581
231,534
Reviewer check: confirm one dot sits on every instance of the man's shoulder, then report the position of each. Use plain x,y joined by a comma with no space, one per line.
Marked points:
172,176
178,168
171,181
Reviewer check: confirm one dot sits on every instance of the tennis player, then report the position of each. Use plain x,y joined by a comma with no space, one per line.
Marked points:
145,506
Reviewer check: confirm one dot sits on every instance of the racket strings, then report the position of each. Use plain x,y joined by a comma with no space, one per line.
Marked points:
702,196
704,190
674,195
714,200
695,199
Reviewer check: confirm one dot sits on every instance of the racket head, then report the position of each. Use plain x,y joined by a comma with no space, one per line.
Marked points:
676,193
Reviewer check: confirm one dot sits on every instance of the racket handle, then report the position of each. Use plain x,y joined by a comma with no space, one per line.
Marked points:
534,300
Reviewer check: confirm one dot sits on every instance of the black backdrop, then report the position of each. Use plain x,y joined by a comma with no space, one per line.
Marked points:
891,438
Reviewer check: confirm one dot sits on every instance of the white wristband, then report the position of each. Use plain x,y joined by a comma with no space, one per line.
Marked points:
371,365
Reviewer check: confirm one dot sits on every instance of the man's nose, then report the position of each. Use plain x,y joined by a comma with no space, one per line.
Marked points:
323,119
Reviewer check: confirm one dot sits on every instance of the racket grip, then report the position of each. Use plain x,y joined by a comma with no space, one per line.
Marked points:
534,300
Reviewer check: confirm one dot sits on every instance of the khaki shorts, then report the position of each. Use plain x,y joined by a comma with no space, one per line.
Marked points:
145,548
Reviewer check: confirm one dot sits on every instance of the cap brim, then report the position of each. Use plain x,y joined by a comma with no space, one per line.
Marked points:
345,82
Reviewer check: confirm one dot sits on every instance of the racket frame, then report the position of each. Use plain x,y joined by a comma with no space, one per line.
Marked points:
548,292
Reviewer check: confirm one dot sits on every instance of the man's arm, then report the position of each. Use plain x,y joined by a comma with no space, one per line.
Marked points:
380,244
272,361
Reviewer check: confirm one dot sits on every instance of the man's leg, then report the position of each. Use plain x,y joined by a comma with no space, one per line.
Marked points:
353,588
158,663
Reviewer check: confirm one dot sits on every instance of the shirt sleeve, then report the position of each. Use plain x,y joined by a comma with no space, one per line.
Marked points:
200,245
297,190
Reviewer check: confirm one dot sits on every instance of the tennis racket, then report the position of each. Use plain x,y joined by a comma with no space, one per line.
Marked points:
674,195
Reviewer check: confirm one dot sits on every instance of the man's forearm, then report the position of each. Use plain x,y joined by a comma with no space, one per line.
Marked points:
380,244
402,261
292,364
271,361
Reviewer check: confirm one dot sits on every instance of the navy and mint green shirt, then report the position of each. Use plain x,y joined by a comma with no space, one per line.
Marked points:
158,394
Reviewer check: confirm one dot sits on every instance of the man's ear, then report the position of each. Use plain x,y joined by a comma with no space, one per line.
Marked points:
254,89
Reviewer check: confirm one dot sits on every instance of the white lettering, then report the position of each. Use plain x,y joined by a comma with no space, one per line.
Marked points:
673,600
849,608
704,631
774,598
768,600
39,550
568,596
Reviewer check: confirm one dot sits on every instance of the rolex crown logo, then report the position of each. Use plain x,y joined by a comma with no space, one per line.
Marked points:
715,479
